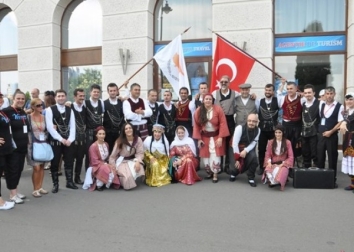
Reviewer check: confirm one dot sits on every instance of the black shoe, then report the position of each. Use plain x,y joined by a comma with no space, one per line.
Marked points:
209,176
252,183
78,181
60,173
215,180
100,189
71,185
55,188
260,171
232,179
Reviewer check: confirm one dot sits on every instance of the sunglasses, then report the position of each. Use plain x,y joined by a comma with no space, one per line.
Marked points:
38,105
224,82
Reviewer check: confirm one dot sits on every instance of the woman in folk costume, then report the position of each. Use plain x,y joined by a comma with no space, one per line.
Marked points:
279,158
183,158
156,149
210,129
127,157
347,129
100,173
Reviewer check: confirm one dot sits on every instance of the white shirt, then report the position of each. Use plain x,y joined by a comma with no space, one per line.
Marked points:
5,104
50,126
78,107
237,137
329,108
136,119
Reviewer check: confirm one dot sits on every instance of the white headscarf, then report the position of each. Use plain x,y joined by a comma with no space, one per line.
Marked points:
185,141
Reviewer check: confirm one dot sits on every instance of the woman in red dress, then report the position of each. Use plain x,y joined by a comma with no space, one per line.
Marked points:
183,157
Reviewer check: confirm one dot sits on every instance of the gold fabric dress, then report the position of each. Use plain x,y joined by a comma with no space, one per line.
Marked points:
156,169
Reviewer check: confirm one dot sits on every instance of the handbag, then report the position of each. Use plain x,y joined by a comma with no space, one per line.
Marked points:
41,150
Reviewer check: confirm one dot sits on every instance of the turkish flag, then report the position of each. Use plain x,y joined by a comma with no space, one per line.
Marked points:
231,61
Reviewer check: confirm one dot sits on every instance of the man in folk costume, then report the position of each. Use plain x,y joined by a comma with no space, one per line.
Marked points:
210,129
268,119
154,106
94,114
80,140
137,111
291,104
331,117
347,129
113,118
244,144
167,116
184,111
60,121
310,120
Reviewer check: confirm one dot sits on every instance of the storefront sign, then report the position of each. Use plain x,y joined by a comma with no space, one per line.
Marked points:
310,44
193,49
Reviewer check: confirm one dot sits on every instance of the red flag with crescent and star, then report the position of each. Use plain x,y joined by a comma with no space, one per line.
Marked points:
230,60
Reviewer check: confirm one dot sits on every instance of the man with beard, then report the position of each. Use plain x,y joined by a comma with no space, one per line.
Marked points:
154,106
167,116
113,118
137,111
268,116
80,140
244,144
94,114
60,123
331,117
184,111
310,120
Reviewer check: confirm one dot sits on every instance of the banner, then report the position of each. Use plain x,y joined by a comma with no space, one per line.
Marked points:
171,61
231,61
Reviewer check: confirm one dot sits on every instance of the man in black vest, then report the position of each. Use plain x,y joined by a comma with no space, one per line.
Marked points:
94,114
244,155
113,115
330,120
268,119
80,140
60,123
310,120
154,106
167,116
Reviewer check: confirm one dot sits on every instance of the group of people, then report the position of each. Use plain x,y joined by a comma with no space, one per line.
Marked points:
126,138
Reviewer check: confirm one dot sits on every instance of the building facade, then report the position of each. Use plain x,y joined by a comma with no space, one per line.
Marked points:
49,44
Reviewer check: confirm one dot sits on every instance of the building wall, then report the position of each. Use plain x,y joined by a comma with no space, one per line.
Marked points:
129,25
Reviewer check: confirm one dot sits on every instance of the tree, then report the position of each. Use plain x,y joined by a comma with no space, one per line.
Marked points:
83,80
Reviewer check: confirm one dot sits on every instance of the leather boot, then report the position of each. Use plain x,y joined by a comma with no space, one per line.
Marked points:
69,179
77,180
55,179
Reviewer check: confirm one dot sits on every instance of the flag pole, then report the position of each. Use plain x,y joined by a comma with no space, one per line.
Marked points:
249,55
136,72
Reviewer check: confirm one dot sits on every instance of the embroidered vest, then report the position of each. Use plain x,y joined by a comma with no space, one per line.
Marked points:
292,109
243,111
268,114
93,115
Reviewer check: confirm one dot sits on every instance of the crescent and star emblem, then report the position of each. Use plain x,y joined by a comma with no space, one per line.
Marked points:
231,64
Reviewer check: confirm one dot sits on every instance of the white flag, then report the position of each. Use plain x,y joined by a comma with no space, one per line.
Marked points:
171,61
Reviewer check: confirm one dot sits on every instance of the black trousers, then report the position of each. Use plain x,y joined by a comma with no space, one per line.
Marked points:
309,150
250,164
111,137
293,134
78,155
231,125
90,138
329,145
68,157
262,145
15,168
5,161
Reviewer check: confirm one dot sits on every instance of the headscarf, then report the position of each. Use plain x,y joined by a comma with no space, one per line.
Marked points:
186,140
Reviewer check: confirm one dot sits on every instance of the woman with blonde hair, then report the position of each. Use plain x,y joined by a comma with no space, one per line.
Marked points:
39,132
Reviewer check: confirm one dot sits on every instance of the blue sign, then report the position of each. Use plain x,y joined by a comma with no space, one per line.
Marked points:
192,49
310,44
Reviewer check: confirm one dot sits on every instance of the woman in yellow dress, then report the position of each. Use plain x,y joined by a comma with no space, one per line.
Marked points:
156,158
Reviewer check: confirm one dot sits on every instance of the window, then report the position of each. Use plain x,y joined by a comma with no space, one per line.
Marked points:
8,52
81,56
309,16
